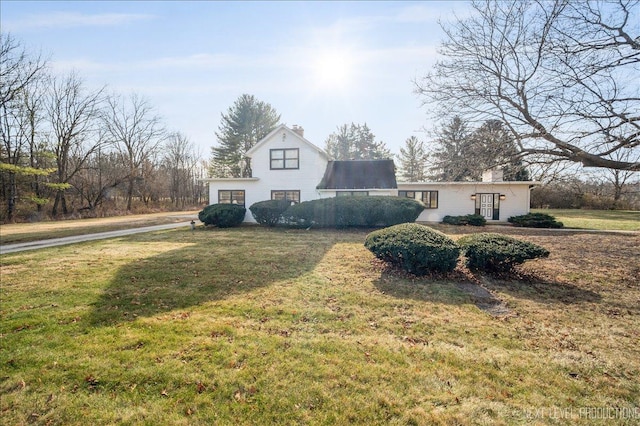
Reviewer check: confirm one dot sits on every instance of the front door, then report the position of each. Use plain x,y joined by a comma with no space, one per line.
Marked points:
486,206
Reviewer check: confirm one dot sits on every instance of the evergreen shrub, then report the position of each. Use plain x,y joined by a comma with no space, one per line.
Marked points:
415,248
345,212
497,253
535,220
222,215
269,212
470,219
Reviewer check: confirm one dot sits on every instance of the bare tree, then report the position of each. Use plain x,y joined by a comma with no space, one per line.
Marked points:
181,162
18,72
132,125
73,114
562,75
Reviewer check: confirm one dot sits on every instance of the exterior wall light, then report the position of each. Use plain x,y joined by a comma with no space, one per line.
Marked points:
473,196
503,197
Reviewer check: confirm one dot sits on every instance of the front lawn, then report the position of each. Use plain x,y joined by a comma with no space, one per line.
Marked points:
260,326
625,220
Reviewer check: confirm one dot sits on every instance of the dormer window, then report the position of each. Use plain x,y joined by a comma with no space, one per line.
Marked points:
285,159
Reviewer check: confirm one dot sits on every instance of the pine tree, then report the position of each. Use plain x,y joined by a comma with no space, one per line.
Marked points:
492,146
246,122
413,160
463,154
451,160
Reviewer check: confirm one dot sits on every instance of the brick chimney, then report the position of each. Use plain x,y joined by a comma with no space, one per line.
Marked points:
298,129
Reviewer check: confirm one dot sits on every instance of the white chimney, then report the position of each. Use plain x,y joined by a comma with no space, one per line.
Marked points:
298,129
493,175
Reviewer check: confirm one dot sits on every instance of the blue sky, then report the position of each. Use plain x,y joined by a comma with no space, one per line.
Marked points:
319,64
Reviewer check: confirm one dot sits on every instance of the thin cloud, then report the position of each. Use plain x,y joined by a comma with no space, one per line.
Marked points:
202,61
64,20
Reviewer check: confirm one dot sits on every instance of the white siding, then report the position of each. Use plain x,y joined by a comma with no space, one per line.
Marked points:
454,199
312,165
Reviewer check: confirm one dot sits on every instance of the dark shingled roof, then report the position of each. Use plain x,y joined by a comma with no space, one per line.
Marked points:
359,174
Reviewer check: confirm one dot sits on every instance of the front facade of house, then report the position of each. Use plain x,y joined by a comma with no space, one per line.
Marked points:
285,165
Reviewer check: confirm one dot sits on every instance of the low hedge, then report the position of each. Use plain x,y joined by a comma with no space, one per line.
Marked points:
269,212
535,220
415,248
344,212
470,219
497,253
222,215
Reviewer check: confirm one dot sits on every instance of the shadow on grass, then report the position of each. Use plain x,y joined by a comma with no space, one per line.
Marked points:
530,286
462,285
214,265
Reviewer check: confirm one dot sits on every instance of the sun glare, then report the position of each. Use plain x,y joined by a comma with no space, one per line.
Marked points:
333,70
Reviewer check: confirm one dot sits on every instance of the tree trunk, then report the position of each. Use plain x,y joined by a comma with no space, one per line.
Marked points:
129,195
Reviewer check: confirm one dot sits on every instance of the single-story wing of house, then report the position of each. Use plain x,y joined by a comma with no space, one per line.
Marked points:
286,166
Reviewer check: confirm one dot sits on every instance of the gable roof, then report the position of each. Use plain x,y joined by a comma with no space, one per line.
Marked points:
359,174
284,128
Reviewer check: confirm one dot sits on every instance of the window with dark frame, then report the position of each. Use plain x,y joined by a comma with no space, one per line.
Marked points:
231,197
352,193
284,159
428,198
292,195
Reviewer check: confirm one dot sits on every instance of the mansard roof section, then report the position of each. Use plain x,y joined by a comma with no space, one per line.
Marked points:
359,174
289,133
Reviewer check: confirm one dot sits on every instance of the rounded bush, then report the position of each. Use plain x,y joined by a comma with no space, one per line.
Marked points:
344,212
535,220
415,248
269,212
497,253
222,215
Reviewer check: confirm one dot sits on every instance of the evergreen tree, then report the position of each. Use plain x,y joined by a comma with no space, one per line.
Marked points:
492,146
413,160
463,154
246,122
450,159
355,142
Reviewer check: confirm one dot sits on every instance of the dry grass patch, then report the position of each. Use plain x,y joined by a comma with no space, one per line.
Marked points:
262,326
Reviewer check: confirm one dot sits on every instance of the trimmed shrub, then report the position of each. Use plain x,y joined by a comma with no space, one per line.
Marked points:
497,253
535,220
415,248
269,212
345,212
222,215
470,219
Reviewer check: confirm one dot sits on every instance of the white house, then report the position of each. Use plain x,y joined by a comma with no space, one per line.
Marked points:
285,165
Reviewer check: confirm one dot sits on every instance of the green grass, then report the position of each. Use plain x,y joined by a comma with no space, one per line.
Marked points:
262,326
624,220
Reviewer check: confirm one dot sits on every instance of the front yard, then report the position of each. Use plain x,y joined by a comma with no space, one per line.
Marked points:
260,326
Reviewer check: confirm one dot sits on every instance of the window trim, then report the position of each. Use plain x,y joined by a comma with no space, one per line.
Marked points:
284,158
231,191
285,194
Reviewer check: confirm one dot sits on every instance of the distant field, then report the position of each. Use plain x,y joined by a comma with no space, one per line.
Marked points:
625,220
260,326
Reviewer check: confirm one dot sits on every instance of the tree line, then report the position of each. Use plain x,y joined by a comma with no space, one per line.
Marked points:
67,148
531,87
